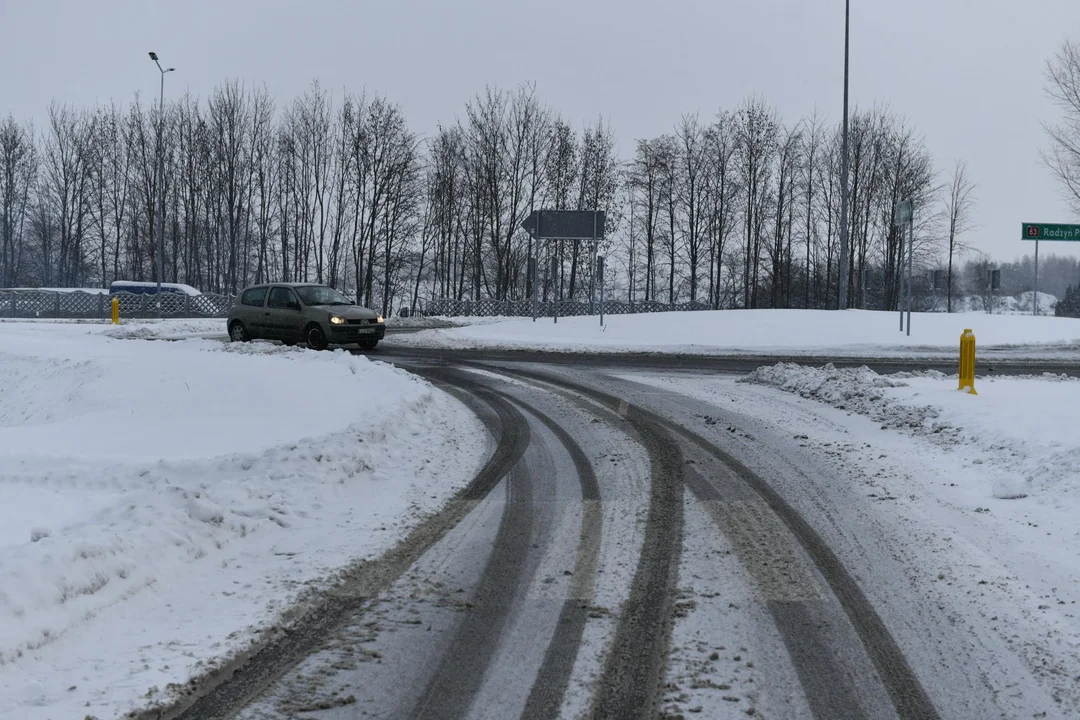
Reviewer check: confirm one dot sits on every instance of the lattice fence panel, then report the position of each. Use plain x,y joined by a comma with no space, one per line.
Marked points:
82,305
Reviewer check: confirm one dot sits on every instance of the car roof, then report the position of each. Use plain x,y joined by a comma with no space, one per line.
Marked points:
284,284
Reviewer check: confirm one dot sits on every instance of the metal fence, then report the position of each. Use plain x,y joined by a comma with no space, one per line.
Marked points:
84,306
87,306
567,308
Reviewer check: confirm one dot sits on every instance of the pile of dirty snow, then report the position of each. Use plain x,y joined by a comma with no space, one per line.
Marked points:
1024,425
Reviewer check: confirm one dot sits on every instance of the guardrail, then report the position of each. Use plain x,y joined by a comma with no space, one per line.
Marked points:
78,305
567,308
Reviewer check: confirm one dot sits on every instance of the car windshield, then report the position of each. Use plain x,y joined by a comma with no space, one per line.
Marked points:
321,295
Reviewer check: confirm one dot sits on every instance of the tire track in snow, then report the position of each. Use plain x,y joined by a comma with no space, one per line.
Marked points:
546,696
903,686
629,686
908,697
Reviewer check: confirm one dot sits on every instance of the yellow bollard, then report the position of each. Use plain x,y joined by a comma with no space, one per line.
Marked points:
116,311
967,362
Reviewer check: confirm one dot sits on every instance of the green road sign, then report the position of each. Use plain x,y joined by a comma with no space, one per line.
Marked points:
1044,231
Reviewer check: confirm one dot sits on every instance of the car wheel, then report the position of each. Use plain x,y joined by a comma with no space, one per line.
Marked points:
237,332
316,338
368,344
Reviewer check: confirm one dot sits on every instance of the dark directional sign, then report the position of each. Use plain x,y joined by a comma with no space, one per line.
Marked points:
565,224
1046,231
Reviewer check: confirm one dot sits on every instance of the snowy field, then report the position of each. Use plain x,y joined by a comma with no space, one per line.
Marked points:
165,502
791,332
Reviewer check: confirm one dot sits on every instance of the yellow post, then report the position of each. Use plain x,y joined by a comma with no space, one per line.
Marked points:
967,362
116,311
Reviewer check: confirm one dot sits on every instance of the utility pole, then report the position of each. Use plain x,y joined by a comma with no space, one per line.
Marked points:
844,249
159,176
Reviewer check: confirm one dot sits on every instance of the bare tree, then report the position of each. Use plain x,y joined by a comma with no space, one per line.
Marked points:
645,179
720,192
597,189
812,142
959,205
758,129
1063,87
18,173
667,159
65,192
691,179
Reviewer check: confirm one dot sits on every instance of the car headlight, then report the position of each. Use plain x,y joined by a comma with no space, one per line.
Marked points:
379,319
337,320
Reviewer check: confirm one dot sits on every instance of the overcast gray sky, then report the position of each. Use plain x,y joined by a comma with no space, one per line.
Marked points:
966,73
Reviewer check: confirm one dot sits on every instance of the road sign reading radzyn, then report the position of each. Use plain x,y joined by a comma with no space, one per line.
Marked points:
565,224
1044,231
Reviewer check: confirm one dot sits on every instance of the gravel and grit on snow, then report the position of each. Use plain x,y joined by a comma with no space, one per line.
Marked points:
753,332
163,503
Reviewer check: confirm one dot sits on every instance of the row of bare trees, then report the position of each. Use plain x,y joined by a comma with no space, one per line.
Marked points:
738,209
742,210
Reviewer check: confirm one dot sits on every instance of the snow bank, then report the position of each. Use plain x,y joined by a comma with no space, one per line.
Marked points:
89,291
163,502
446,321
797,332
1021,304
141,329
1025,426
170,329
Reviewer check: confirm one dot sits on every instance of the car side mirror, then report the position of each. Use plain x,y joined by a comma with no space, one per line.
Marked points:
292,305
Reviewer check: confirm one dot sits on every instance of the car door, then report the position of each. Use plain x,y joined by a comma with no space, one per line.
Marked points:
252,312
283,314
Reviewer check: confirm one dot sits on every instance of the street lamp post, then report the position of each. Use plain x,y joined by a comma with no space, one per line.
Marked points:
159,178
844,249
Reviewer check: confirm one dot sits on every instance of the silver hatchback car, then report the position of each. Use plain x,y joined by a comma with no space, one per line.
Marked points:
303,312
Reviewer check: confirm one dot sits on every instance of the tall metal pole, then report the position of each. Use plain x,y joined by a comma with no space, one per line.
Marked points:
910,260
844,249
161,194
159,178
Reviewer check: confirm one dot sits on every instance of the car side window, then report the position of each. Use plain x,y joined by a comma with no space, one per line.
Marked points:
280,297
254,297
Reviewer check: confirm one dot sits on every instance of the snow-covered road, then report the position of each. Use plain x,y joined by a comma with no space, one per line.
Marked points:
903,478
753,552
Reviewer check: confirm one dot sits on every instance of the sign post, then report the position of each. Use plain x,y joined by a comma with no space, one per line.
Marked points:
903,214
555,286
532,281
1046,231
1035,293
600,276
567,225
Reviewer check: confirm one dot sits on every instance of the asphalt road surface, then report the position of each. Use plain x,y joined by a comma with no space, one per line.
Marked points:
608,513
